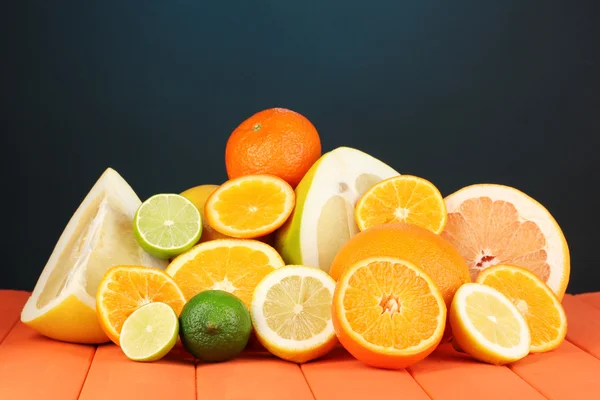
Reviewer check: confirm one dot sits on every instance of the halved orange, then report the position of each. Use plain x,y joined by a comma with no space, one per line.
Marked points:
496,224
125,288
387,312
250,206
402,198
233,265
543,312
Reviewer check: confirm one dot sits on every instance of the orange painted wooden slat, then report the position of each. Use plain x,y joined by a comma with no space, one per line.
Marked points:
590,298
565,373
447,374
11,304
252,376
113,376
341,376
35,367
583,324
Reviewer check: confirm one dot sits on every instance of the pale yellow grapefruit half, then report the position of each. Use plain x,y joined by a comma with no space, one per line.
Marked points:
493,224
97,237
323,218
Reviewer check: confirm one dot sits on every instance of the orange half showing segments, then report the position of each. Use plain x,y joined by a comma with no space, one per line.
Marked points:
233,265
125,288
402,198
387,312
250,206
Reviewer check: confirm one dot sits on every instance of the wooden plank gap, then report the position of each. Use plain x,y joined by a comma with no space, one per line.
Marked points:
34,367
11,305
269,377
583,322
340,376
449,375
565,373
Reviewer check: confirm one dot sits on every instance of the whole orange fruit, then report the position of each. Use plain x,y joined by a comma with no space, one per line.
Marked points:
274,141
417,245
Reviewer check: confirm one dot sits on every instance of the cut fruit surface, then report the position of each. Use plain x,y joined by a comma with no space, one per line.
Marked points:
166,225
98,236
291,313
417,245
388,313
488,326
543,312
150,332
232,265
403,198
496,224
250,206
126,288
323,219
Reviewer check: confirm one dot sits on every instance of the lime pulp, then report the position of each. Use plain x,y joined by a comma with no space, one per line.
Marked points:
166,225
150,332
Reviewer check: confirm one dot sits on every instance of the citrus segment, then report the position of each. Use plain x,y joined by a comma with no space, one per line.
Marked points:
125,288
166,225
98,236
543,312
487,325
493,224
291,313
387,312
402,198
150,332
232,265
250,206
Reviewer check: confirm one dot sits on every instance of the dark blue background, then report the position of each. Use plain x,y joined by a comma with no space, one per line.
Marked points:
456,92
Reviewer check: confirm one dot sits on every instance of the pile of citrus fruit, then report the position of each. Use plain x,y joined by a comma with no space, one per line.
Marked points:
300,251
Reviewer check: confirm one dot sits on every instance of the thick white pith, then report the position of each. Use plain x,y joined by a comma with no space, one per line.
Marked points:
337,175
109,206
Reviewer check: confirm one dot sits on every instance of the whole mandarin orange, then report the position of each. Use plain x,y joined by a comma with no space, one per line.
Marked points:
274,141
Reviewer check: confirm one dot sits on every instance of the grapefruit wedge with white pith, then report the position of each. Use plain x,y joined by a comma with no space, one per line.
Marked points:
98,236
323,218
493,224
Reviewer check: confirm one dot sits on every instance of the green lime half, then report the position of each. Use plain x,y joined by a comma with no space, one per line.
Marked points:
150,332
166,225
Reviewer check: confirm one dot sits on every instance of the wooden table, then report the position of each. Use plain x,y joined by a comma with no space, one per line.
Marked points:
34,367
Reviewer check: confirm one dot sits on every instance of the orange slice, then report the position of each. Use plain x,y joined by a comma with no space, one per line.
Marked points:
125,288
543,312
387,312
233,265
495,224
402,198
250,206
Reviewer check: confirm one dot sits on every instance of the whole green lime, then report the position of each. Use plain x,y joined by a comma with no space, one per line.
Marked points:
215,326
